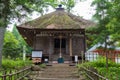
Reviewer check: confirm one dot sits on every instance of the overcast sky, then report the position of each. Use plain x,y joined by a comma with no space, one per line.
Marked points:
81,9
84,9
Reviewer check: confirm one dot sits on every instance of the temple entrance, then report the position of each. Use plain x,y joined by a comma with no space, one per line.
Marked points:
60,49
60,46
57,43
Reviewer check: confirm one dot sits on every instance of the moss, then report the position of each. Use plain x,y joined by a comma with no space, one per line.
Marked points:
61,20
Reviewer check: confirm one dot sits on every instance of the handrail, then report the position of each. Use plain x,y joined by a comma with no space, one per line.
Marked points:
101,77
17,75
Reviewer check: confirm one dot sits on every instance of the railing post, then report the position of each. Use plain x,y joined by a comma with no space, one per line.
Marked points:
23,72
4,75
10,75
82,56
15,75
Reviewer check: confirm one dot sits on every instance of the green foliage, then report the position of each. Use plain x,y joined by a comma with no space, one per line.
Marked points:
114,24
21,41
13,44
100,65
101,62
14,64
69,4
107,16
10,46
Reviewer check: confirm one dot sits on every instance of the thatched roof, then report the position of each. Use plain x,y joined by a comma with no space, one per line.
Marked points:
58,19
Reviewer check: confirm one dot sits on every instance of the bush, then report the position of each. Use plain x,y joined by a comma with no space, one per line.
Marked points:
12,64
100,65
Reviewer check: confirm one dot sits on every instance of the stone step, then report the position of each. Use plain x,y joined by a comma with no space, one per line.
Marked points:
49,76
57,79
59,76
45,73
57,72
60,68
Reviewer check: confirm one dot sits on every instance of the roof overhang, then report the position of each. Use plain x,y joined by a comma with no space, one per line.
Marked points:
29,34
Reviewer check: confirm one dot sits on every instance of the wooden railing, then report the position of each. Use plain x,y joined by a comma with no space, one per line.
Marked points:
15,75
92,75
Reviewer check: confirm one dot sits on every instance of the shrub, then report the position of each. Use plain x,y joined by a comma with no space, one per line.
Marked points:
100,65
12,64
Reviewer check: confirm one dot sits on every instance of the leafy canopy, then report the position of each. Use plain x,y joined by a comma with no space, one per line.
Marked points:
107,15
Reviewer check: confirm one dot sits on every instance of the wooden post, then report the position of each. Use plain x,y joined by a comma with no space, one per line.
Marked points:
60,46
50,46
10,75
84,40
70,46
4,75
82,53
24,53
34,42
70,49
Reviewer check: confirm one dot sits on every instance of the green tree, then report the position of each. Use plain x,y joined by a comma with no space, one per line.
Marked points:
4,10
107,16
68,4
114,24
21,40
101,16
11,46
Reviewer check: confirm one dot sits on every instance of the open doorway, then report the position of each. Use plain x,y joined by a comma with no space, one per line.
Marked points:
59,44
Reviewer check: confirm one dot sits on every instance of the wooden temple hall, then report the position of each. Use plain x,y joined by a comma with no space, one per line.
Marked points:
58,34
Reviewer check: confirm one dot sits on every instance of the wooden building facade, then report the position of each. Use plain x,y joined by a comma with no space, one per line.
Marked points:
57,34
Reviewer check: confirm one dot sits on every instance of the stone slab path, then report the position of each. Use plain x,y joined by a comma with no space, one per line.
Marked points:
57,72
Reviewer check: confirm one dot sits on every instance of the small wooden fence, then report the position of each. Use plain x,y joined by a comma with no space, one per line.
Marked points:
92,74
15,75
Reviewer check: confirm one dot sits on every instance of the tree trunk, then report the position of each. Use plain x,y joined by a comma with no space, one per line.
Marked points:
2,31
5,11
106,53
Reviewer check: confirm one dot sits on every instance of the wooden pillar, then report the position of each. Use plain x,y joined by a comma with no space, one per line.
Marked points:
50,49
70,49
34,42
70,46
60,46
85,45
